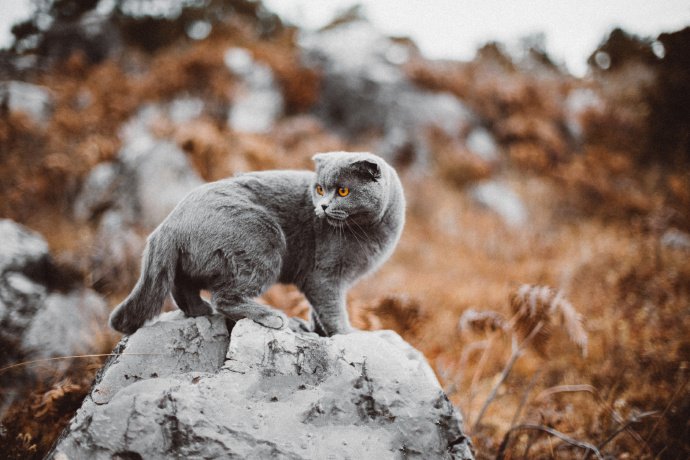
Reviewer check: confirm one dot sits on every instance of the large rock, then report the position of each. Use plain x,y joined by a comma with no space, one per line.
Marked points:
179,391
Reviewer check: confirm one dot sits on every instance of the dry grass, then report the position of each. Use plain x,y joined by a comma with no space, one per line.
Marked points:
596,221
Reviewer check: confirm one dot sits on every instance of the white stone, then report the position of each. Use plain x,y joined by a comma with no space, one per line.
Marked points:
481,142
279,394
501,199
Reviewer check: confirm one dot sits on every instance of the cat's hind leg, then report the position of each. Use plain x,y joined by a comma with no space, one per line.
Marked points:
186,296
238,307
189,301
247,265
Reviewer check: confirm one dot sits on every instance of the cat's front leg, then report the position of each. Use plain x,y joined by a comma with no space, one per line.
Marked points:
329,312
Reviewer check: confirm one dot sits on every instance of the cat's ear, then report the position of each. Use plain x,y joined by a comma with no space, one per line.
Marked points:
369,169
318,158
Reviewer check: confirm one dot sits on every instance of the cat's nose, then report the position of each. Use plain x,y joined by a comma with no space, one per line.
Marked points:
324,206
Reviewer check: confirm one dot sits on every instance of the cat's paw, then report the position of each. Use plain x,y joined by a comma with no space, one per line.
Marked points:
273,320
346,329
201,309
299,325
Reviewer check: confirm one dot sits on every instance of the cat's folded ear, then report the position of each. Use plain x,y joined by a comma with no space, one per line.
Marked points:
319,157
369,169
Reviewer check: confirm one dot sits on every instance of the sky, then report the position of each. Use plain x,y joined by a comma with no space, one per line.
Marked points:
454,29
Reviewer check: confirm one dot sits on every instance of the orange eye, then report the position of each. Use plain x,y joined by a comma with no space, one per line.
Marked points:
343,191
319,190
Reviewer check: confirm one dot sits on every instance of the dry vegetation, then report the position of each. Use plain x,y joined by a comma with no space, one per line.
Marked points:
602,280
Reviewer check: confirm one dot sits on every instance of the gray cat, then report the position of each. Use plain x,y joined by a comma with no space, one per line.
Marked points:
237,237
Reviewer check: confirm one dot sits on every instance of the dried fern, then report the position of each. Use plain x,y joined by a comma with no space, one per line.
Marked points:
538,309
481,321
535,311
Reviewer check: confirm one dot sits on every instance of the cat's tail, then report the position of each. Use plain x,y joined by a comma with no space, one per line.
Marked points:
155,281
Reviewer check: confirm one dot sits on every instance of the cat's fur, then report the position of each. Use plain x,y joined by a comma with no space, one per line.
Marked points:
237,237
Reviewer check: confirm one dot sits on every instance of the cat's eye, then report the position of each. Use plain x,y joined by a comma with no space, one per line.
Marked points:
319,190
343,191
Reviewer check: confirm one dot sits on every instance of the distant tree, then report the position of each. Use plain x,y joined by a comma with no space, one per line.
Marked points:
669,99
58,28
620,48
666,98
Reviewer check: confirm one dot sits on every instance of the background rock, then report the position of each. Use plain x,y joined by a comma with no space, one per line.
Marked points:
130,196
149,177
34,320
365,90
66,324
276,394
501,199
22,249
24,258
33,100
481,142
258,102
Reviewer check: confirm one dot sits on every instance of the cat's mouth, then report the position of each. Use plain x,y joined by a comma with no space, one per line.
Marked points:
335,222
336,218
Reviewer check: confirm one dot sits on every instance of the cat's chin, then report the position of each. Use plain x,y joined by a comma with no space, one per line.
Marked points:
338,223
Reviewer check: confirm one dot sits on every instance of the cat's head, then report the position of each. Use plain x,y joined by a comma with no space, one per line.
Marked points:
350,187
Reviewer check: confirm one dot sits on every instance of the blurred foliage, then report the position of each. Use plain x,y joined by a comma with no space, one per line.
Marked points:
60,27
664,102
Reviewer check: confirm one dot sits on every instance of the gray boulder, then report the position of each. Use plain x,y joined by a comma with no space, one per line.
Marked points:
116,252
675,239
483,144
185,388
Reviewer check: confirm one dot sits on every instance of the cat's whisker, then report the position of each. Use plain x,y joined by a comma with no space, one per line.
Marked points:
354,234
363,234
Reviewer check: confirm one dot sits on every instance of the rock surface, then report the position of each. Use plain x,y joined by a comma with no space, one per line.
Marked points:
183,392
22,250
